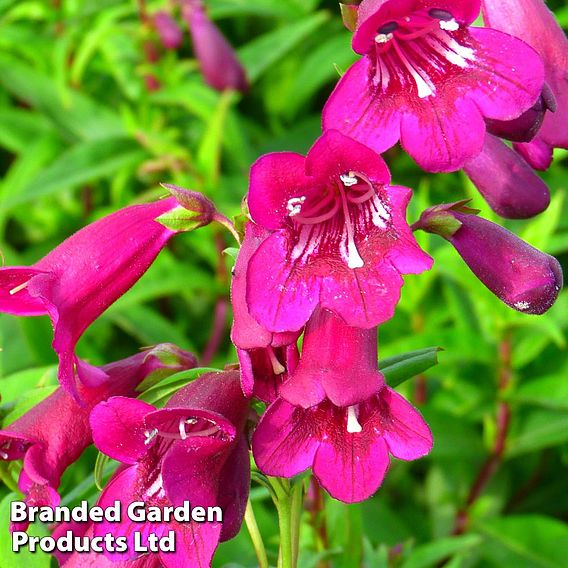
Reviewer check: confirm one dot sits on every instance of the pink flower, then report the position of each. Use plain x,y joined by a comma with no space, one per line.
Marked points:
192,450
339,236
429,80
535,24
53,434
265,358
347,447
219,64
520,275
77,281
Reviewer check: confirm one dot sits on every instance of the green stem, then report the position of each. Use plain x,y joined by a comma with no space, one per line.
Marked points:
297,505
283,501
255,536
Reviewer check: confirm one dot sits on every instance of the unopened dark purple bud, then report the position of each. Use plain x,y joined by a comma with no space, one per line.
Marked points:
170,33
520,275
505,180
525,127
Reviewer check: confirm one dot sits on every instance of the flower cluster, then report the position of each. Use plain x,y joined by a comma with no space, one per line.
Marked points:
325,247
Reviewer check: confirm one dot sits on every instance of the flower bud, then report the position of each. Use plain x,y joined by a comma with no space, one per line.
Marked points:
520,275
170,33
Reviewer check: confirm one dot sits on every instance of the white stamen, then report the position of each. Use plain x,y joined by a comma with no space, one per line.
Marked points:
383,38
18,288
449,25
353,426
466,52
277,367
182,432
191,421
349,179
294,205
4,455
150,435
522,306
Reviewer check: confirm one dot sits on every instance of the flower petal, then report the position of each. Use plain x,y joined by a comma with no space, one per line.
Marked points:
355,109
119,428
351,467
285,440
274,179
404,430
443,134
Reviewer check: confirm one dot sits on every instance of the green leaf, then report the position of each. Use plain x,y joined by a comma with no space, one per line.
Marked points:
79,116
431,554
24,557
400,368
263,52
548,391
83,163
527,541
539,429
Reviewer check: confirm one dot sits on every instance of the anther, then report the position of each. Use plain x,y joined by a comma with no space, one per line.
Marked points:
294,205
150,435
383,38
182,432
3,455
349,179
440,14
353,426
277,367
388,28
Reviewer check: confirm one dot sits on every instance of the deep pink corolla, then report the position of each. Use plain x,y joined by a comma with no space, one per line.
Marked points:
348,448
77,281
534,23
339,236
52,435
265,358
429,80
193,449
338,363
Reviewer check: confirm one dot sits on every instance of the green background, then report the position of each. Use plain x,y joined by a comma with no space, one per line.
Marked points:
80,137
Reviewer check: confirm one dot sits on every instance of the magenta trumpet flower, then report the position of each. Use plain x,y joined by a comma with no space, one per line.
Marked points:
339,237
220,66
534,23
192,450
520,275
77,281
265,358
53,434
429,80
346,447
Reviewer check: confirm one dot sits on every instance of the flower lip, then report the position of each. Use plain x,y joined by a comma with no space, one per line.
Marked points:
187,424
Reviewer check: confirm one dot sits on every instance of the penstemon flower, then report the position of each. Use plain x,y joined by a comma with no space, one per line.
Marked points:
346,447
520,275
534,23
193,449
265,357
429,79
170,33
339,236
52,435
77,281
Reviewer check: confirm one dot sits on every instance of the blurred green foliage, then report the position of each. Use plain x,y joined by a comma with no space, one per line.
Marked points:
81,136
